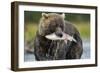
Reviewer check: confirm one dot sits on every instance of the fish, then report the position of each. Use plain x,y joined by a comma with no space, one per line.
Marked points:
65,37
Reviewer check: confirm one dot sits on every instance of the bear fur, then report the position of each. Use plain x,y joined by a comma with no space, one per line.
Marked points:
46,49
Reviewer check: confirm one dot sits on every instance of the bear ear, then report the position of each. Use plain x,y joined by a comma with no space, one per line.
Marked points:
63,15
45,15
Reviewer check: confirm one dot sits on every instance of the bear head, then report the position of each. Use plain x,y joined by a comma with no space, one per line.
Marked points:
51,23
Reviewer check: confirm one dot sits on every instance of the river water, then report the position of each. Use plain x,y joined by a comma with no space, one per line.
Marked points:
85,55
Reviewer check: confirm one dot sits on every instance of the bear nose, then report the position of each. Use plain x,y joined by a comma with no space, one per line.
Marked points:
59,34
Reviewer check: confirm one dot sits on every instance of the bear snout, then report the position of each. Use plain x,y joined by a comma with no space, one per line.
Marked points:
59,34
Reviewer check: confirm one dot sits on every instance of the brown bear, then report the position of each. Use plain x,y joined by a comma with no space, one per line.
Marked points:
57,39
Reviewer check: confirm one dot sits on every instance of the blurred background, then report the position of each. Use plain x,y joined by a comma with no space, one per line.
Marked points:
31,21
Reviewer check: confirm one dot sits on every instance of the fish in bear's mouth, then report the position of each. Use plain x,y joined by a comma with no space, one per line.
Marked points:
65,37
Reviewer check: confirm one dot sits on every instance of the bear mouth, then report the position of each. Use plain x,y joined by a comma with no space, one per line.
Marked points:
64,37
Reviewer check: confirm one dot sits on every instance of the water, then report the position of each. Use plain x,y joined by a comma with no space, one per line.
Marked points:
85,55
86,49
